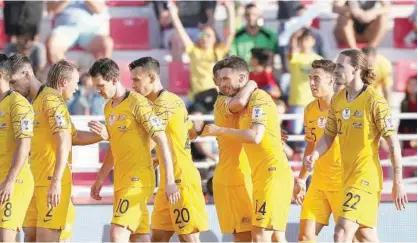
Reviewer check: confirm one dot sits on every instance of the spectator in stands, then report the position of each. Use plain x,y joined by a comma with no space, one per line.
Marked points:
18,14
203,56
26,45
253,35
261,62
361,21
409,104
86,101
300,66
192,14
382,67
83,23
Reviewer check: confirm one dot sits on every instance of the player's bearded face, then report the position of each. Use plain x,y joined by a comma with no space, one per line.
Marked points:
229,81
344,72
19,82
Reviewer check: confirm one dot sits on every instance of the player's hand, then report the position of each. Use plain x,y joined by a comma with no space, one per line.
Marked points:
210,130
285,137
299,192
54,194
99,129
399,196
95,190
309,160
172,192
172,7
6,191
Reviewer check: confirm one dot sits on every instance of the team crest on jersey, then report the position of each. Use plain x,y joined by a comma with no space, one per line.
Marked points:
121,118
2,113
111,119
346,113
60,120
322,121
3,125
389,122
358,113
26,125
357,124
257,113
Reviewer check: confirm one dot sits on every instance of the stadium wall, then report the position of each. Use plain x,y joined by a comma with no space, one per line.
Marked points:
92,224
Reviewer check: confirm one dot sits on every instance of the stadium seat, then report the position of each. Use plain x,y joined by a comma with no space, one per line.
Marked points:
3,36
178,77
403,71
125,3
125,74
402,29
360,45
403,2
316,23
130,33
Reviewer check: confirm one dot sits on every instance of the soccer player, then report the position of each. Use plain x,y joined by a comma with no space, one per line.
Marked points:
188,216
131,122
271,174
360,116
16,131
325,191
24,81
232,177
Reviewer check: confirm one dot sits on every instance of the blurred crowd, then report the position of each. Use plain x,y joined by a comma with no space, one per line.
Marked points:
280,60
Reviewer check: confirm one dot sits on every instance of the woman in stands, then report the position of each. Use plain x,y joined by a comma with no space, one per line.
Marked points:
203,55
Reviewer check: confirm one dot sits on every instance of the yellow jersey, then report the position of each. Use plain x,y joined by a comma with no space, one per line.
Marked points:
51,116
175,121
383,70
300,66
233,167
131,124
16,122
327,172
269,155
359,125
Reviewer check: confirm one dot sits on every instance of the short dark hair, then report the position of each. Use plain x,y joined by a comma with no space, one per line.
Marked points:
235,63
326,65
105,67
61,70
250,5
19,61
369,51
263,56
306,32
217,67
147,63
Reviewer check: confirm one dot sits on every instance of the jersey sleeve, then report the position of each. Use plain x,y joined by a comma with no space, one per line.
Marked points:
145,115
258,108
57,112
331,129
22,116
381,115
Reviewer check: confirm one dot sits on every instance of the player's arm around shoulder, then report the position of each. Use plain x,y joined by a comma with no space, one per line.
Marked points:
240,101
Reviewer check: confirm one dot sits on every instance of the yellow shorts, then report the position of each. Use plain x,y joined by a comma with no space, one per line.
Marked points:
319,204
360,206
130,208
40,215
187,216
272,200
12,212
233,207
